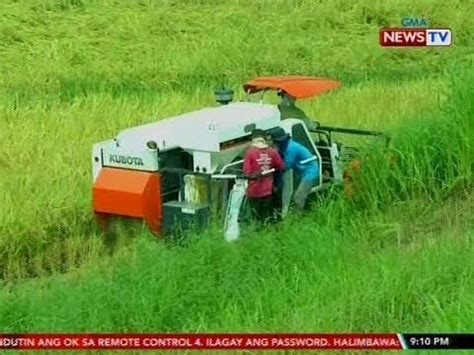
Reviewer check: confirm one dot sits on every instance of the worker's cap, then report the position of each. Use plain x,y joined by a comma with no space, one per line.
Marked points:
258,133
279,134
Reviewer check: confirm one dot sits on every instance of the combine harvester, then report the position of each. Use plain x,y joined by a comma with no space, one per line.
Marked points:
179,172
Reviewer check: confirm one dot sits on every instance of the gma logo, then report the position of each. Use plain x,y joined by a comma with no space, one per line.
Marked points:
414,22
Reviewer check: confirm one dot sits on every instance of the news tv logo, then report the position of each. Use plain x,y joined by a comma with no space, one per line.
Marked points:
416,37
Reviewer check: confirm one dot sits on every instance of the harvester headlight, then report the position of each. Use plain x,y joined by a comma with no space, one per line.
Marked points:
151,144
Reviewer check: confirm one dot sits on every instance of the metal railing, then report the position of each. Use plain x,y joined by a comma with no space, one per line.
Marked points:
231,164
242,176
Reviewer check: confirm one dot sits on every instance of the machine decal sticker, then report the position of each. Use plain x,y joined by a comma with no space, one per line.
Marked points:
121,159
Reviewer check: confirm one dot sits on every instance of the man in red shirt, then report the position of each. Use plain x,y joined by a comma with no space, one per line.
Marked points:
258,159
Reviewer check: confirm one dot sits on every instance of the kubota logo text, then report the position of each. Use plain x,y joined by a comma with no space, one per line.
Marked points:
122,159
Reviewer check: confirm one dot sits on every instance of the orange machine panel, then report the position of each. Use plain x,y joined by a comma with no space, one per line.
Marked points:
129,193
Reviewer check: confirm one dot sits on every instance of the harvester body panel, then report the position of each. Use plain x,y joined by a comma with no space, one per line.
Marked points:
129,193
203,130
129,156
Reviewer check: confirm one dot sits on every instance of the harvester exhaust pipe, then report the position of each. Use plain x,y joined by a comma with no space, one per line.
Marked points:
224,96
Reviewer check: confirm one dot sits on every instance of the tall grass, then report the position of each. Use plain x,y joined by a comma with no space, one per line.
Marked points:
326,275
430,157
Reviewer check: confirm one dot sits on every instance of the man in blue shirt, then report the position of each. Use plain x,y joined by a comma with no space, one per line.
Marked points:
299,158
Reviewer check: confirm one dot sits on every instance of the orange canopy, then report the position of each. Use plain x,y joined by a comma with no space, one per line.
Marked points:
300,87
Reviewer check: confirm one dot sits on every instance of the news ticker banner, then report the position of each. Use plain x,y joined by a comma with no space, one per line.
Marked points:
242,341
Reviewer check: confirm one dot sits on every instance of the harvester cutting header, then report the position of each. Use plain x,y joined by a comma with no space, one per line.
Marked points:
180,171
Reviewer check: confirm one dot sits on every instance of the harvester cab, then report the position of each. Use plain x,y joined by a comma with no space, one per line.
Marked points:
180,172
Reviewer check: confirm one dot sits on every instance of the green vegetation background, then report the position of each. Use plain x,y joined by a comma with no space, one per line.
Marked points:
397,258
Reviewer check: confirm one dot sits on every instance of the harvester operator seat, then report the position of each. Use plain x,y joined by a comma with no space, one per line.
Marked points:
288,109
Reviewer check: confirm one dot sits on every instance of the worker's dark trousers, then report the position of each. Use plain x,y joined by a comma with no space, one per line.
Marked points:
261,208
277,204
302,192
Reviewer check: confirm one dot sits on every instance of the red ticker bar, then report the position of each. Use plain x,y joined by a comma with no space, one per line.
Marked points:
234,341
459,341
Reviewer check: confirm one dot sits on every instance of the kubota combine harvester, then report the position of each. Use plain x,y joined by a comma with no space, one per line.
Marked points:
181,171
